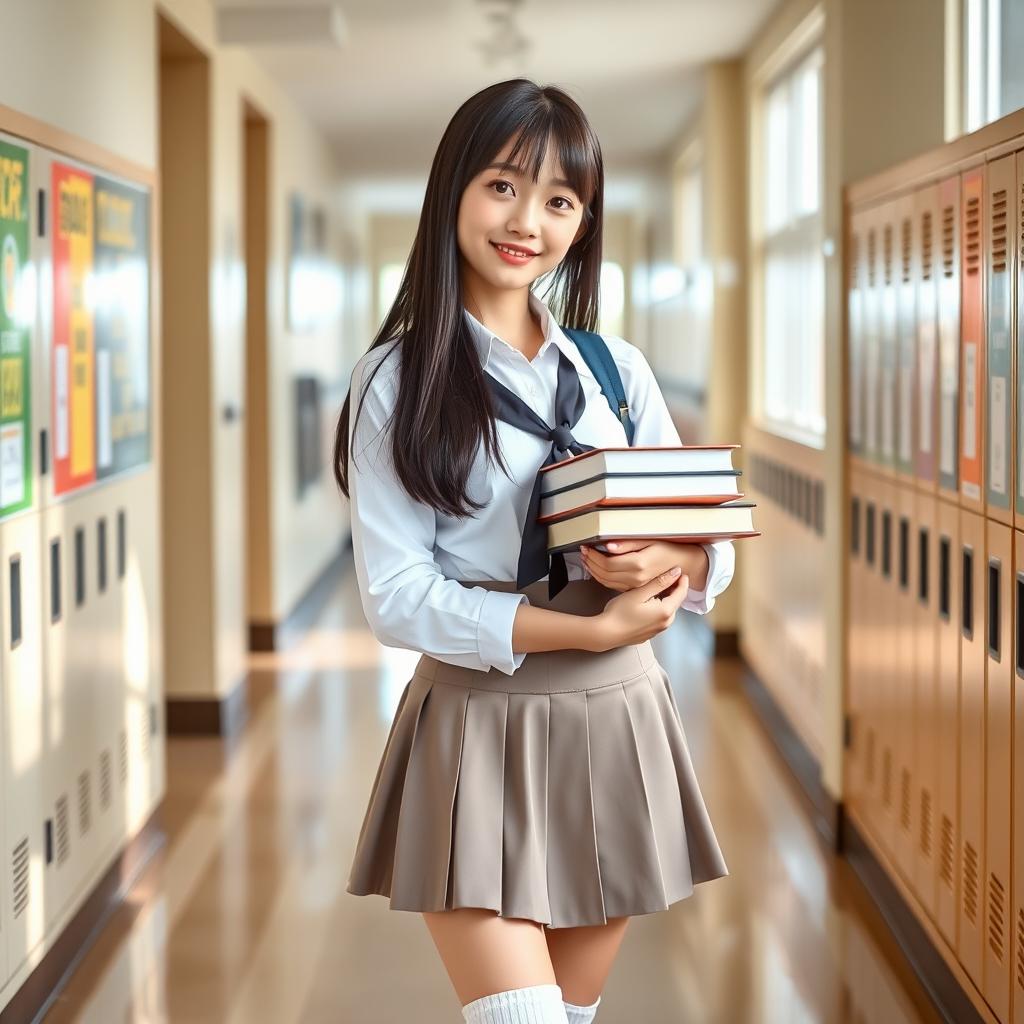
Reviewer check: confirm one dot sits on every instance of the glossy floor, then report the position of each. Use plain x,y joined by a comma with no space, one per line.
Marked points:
242,917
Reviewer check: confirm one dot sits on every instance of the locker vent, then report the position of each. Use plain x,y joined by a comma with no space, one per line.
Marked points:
905,243
996,910
927,255
872,251
62,829
999,232
84,803
887,253
948,228
946,853
972,230
871,757
971,883
926,824
105,779
20,864
122,762
1020,949
887,779
854,259
905,800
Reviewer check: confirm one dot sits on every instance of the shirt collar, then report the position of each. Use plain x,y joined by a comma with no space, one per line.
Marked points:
485,339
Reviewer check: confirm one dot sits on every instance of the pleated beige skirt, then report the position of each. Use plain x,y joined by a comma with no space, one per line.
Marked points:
564,793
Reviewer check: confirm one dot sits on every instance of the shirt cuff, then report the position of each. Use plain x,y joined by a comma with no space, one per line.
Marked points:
700,601
494,630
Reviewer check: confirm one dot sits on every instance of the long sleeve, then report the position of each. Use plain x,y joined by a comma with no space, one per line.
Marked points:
654,426
407,600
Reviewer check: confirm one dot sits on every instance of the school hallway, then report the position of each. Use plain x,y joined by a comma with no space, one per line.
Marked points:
242,915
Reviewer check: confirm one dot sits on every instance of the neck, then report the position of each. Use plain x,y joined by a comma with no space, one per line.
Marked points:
505,311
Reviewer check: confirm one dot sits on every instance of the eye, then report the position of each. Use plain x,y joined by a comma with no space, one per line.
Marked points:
568,204
501,181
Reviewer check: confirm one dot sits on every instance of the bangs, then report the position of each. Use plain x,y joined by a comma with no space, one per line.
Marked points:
574,149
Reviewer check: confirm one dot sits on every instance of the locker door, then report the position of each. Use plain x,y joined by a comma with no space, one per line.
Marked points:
888,670
904,718
949,336
871,323
871,657
972,341
907,416
927,265
926,748
854,749
972,743
855,335
888,332
947,725
1017,927
998,711
24,739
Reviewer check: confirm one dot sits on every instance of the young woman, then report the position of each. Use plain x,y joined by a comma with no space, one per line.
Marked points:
536,788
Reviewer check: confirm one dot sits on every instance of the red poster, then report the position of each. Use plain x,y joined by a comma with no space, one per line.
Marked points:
72,373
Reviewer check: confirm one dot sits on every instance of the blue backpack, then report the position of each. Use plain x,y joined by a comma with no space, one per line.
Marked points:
594,350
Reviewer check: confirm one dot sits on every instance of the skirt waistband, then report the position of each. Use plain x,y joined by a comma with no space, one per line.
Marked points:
551,671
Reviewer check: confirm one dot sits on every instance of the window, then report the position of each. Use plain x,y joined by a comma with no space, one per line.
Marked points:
613,299
788,250
991,39
389,279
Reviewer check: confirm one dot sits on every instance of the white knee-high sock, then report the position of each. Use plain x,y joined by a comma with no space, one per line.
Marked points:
581,1014
536,1004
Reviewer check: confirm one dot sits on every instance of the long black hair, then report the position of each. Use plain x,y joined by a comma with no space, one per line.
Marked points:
443,409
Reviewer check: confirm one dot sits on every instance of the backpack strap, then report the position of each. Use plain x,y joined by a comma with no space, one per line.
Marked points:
594,350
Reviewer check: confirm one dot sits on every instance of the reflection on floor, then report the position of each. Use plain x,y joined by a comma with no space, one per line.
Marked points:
242,918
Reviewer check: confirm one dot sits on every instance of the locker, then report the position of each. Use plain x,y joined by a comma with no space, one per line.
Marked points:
1017,763
972,340
855,344
886,670
904,717
24,746
1000,268
872,659
855,766
887,274
949,586
949,336
871,323
1017,300
906,274
998,725
926,748
926,262
972,743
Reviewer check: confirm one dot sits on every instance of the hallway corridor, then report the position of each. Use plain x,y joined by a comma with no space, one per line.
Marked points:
242,917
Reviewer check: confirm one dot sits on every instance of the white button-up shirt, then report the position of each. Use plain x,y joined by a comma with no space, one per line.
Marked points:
409,557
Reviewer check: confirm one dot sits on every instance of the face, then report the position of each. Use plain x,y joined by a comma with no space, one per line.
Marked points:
539,221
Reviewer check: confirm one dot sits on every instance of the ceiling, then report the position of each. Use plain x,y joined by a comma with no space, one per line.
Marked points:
384,98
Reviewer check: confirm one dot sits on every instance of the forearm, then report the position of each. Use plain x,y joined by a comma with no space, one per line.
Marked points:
696,564
543,629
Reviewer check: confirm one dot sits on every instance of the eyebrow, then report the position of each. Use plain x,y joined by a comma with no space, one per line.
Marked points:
521,171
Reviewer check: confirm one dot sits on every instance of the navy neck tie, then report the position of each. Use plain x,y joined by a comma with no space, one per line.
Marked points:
570,402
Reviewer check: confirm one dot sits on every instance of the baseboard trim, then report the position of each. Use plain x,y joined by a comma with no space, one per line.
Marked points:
42,987
269,636
826,813
199,716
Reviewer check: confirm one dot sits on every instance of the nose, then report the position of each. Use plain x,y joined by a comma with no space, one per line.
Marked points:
524,220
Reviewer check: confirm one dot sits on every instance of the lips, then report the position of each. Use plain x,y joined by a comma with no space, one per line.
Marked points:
517,255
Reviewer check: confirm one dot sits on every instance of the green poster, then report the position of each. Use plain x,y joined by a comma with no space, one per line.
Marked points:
16,316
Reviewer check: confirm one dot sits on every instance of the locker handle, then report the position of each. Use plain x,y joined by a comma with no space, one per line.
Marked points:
1019,624
967,586
904,553
994,573
944,578
922,565
887,544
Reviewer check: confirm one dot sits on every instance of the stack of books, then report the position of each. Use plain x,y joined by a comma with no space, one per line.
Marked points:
687,493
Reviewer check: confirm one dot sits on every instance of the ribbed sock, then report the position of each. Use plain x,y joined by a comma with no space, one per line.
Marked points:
581,1014
536,1004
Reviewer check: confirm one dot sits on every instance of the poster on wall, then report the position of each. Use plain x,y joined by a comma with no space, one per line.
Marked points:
16,315
72,384
122,327
101,316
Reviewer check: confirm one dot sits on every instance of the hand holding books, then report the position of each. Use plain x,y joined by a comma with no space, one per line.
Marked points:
686,493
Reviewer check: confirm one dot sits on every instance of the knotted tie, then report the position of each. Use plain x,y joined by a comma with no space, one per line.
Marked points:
570,402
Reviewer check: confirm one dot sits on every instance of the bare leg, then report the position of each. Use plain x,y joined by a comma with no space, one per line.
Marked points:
582,957
484,953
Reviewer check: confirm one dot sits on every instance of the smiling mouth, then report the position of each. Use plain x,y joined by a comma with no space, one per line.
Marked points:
510,250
